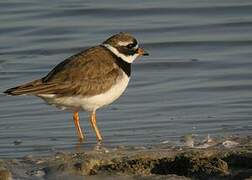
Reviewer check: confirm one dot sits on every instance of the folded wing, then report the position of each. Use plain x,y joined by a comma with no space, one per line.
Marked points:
87,73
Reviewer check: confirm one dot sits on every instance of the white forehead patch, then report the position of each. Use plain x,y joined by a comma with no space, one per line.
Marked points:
128,59
120,43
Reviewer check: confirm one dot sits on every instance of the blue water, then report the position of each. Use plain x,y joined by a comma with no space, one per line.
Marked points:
197,80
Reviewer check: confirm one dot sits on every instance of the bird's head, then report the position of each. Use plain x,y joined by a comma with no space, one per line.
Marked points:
124,46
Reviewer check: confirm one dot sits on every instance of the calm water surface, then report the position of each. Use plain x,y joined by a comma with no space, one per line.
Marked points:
197,80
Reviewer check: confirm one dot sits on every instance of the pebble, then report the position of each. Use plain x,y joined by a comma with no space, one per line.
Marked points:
230,144
40,162
165,142
17,142
39,173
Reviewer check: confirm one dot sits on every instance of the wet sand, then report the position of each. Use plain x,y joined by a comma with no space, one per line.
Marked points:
231,159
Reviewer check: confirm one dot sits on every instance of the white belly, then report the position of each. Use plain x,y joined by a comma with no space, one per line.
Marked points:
90,103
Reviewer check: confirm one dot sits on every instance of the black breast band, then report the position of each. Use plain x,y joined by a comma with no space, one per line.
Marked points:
125,66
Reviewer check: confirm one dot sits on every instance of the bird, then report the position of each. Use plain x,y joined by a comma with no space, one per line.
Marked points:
88,80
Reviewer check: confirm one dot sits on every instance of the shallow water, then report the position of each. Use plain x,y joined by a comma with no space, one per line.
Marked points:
197,80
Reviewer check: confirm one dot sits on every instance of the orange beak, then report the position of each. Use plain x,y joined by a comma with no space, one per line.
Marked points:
142,52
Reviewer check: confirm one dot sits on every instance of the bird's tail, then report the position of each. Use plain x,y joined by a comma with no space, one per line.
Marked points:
31,88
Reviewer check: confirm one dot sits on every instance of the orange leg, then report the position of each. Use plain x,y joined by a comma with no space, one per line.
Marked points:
77,125
93,123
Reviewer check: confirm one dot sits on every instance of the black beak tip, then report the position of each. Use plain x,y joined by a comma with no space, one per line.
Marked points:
146,54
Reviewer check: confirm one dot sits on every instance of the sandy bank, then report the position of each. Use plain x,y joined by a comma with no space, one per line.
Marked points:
163,162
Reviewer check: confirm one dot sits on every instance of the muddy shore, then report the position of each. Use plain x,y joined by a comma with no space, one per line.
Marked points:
217,160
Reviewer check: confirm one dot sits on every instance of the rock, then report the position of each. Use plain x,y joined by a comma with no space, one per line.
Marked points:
192,165
230,144
17,142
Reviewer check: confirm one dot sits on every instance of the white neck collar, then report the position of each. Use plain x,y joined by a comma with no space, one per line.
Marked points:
128,59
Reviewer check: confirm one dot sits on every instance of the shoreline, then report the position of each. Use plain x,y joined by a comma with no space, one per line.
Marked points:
164,162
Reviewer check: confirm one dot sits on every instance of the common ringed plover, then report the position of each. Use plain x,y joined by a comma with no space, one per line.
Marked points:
88,80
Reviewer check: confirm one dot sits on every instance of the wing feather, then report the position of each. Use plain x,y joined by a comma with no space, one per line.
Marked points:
87,73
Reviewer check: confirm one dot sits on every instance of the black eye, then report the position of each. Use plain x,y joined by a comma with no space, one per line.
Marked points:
130,46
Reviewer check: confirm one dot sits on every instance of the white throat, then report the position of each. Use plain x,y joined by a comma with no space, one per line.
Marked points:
128,59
